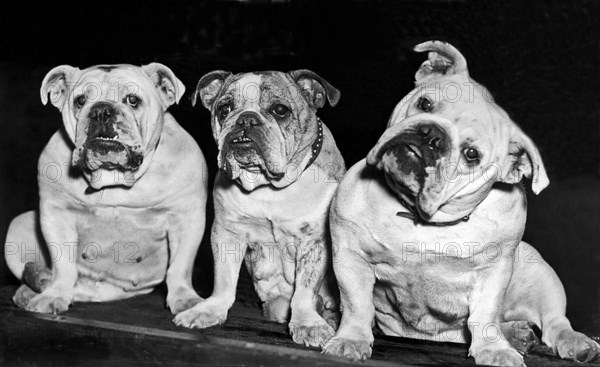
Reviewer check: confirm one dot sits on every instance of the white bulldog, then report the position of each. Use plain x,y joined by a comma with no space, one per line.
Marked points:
122,193
279,167
427,230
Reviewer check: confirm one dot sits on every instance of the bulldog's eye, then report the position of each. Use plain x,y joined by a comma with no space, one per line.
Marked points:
425,104
80,101
225,110
280,110
132,100
471,154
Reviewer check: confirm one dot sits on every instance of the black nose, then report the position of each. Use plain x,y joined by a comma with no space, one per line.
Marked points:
433,136
101,121
101,112
248,119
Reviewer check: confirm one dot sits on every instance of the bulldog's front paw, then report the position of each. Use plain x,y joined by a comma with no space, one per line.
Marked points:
576,347
23,295
205,314
354,349
182,299
498,357
50,301
312,332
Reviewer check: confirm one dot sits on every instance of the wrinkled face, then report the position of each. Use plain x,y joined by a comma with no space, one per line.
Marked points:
447,142
113,114
263,126
439,143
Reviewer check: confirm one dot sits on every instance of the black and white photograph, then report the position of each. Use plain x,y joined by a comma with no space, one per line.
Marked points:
300,183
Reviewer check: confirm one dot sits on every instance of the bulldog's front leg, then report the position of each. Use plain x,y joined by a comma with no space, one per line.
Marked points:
185,234
59,230
356,279
489,346
306,325
228,254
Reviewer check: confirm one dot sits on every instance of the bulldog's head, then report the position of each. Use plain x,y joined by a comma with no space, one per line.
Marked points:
113,114
447,142
264,123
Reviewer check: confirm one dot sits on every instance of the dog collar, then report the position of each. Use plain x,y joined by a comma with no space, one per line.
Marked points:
417,219
316,146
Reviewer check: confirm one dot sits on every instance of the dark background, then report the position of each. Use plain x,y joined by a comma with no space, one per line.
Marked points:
539,59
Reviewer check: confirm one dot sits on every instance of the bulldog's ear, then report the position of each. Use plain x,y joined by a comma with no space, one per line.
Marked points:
209,86
170,88
314,88
55,85
443,59
524,159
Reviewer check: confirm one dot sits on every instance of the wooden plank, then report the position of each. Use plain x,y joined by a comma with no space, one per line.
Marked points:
139,331
47,335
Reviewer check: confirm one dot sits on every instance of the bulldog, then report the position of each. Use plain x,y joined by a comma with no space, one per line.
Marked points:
278,169
427,230
122,194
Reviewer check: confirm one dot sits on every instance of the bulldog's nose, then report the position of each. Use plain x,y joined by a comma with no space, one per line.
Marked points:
101,112
101,121
248,119
432,135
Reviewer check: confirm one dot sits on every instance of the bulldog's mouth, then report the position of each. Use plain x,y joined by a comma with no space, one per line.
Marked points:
107,138
241,141
412,168
104,145
413,151
248,149
108,152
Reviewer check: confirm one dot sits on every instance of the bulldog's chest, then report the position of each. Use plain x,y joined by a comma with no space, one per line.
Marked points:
424,285
425,274
124,246
422,292
295,213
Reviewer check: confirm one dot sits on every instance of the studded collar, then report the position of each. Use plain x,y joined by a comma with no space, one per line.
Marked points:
316,146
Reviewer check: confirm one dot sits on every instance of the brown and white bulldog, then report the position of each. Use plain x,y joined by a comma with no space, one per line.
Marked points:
122,193
427,229
279,167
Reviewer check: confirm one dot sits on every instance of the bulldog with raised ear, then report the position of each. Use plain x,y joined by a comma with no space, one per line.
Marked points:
427,229
122,193
278,169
